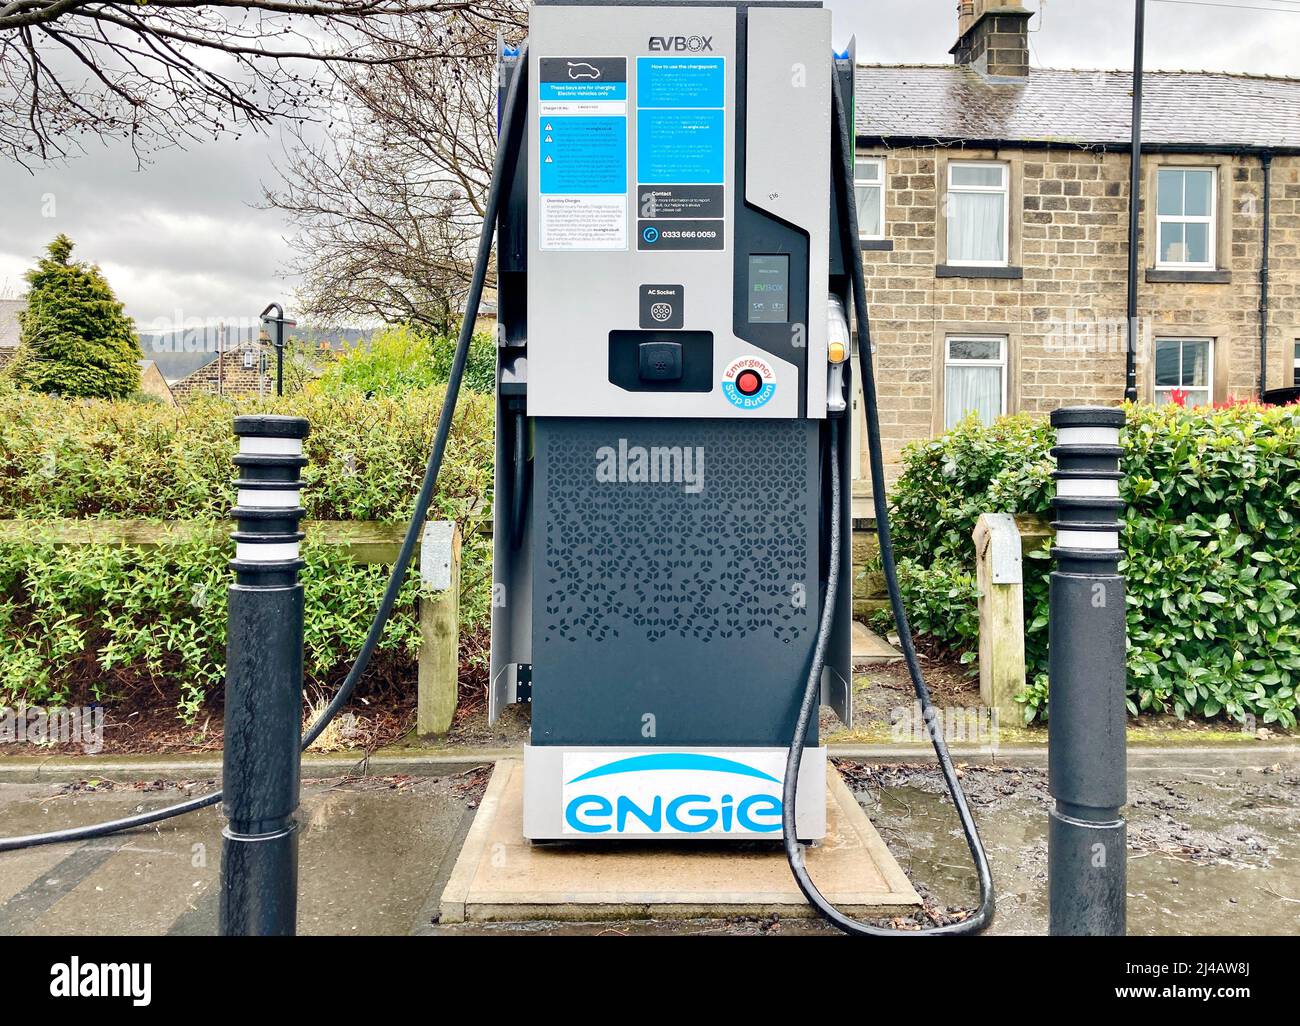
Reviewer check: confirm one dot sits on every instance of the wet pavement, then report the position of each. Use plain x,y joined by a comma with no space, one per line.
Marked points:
371,850
1210,851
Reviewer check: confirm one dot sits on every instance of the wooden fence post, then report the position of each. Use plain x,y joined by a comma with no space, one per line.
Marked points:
439,675
1000,578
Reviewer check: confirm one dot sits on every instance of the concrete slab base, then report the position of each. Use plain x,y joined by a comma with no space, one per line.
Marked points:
500,876
870,648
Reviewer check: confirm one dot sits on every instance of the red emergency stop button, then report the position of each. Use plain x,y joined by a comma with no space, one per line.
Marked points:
748,382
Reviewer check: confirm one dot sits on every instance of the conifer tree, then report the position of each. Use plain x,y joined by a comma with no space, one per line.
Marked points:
75,339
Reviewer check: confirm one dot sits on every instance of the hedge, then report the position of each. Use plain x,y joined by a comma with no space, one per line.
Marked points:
1212,551
98,621
400,359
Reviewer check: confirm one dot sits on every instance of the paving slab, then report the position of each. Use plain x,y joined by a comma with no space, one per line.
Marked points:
500,876
871,649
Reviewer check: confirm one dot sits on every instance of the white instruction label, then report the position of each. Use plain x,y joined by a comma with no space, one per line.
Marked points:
583,222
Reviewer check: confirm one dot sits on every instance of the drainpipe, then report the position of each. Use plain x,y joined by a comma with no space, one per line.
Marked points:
1265,162
1134,203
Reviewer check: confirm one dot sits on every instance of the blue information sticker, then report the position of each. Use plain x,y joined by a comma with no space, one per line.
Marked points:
682,147
681,82
582,91
583,156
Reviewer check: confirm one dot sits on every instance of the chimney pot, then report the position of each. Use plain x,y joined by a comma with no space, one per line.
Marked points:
965,17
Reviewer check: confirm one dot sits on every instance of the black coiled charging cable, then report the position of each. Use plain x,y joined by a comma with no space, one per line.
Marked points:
841,149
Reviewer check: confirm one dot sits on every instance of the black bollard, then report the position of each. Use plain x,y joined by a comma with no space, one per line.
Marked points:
1087,774
264,661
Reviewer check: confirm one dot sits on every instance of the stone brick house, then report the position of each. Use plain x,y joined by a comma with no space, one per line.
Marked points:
993,204
247,368
246,365
153,383
10,329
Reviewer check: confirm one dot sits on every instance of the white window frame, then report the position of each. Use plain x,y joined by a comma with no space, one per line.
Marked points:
1004,190
1211,251
1295,365
250,359
878,183
1208,387
1002,363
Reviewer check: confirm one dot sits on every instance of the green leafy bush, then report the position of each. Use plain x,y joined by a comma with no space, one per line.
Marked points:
403,359
103,619
1210,532
127,460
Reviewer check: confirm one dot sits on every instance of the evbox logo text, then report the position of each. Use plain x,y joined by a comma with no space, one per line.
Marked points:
691,44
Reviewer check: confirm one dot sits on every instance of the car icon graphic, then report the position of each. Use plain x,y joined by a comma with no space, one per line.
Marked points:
581,69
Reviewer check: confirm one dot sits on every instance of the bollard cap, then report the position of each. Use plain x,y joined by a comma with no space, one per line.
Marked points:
270,425
1088,416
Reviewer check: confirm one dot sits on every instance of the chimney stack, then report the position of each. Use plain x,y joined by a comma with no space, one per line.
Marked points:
993,37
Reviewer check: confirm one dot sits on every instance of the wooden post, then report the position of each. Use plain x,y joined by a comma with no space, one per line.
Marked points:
439,675
1002,613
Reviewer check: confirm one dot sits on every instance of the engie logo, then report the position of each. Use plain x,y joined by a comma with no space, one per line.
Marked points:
673,793
749,382
693,44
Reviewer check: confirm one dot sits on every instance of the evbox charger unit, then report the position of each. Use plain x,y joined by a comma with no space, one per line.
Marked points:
669,496
665,268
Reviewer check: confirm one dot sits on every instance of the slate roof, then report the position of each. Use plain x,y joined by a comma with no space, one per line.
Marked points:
952,102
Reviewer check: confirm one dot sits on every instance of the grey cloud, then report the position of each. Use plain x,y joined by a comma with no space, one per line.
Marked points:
180,234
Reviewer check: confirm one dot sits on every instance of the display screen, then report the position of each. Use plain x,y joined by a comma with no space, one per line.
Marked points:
769,289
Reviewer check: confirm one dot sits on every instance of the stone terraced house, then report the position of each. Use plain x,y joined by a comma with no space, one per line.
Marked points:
994,203
10,330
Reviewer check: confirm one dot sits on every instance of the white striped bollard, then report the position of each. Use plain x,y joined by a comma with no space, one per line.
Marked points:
1087,775
264,666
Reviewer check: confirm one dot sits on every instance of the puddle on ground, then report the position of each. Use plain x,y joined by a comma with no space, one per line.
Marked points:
1216,852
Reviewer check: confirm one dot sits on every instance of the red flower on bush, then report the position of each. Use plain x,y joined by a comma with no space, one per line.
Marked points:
1178,397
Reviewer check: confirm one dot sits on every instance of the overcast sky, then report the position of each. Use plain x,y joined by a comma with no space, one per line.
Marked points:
181,240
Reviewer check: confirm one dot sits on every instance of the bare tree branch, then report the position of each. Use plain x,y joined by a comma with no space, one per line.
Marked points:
167,72
388,208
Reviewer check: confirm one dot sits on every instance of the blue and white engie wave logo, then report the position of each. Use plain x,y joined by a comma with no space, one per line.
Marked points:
673,793
749,382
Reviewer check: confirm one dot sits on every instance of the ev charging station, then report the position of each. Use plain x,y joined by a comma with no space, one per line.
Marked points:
677,241
673,351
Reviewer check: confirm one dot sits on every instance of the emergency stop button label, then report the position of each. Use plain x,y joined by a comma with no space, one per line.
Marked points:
749,382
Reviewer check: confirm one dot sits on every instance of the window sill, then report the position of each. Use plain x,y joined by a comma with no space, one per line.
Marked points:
876,245
1159,274
961,271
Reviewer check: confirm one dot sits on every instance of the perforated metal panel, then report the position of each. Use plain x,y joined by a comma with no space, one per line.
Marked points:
676,579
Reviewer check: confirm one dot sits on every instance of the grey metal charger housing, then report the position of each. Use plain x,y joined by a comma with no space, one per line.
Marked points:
617,599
